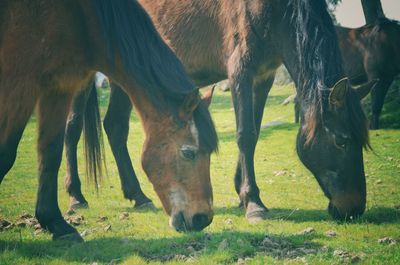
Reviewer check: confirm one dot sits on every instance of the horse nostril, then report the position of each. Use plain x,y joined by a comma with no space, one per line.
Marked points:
200,221
178,222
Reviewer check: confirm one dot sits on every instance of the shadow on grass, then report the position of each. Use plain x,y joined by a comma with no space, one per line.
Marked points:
376,215
295,215
117,249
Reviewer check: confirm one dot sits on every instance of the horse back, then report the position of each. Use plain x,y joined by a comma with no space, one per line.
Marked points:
376,46
192,29
41,41
352,55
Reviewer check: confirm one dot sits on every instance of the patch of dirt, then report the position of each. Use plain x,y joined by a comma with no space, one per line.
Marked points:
284,172
84,233
5,225
70,212
330,233
27,220
124,216
243,260
24,220
307,231
192,247
223,245
102,219
346,256
283,249
387,241
228,221
75,220
276,247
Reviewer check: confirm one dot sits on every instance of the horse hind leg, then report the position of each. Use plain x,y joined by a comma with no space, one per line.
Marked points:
378,95
72,135
52,114
116,125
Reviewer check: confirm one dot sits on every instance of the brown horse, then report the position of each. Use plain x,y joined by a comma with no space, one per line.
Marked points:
372,52
246,41
50,49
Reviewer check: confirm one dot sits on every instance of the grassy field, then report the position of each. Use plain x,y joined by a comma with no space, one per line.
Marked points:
299,230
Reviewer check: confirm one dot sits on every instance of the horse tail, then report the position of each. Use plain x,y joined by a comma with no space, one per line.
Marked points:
94,145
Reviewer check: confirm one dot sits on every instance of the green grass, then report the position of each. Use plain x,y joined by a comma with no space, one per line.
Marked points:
295,200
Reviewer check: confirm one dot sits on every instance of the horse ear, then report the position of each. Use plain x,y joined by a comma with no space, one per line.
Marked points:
189,104
207,96
338,93
364,89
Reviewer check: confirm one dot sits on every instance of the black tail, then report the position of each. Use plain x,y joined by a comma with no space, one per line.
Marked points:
94,145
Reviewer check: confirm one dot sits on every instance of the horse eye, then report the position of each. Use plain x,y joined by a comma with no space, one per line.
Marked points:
188,153
340,141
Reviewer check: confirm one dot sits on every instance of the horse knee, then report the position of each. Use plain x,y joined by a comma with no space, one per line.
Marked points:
246,141
73,129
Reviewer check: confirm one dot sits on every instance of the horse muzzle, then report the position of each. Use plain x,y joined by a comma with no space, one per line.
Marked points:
347,206
197,222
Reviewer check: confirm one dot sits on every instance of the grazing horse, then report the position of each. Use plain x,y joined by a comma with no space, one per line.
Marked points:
51,49
246,41
372,52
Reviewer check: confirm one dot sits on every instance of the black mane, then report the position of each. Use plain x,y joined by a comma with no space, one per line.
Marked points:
321,67
128,29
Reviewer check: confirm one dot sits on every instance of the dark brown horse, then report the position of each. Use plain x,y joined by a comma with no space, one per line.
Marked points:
372,52
50,49
246,41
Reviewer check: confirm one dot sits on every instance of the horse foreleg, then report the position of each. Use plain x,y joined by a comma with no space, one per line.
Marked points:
261,89
116,125
8,148
52,114
378,94
72,135
246,136
13,119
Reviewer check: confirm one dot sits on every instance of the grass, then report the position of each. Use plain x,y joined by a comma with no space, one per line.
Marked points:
294,198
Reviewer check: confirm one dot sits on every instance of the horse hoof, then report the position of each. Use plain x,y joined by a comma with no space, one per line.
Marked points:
78,205
144,206
256,213
73,237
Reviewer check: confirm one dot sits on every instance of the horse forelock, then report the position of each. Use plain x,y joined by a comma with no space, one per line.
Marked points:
351,112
